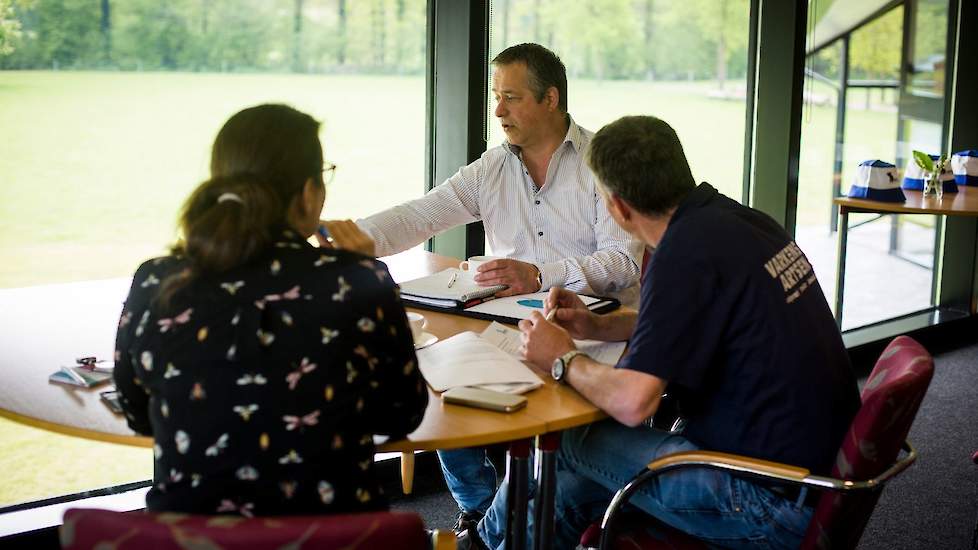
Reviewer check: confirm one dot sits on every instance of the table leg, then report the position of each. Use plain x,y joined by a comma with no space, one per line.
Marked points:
543,518
840,269
407,472
518,473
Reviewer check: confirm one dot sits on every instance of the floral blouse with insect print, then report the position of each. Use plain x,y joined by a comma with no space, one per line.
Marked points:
262,386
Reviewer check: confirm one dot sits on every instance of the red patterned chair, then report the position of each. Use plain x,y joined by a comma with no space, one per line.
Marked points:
869,456
86,529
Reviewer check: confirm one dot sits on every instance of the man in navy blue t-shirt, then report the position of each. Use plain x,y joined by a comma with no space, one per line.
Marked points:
732,320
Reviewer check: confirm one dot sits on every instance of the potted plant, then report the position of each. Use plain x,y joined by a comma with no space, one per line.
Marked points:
933,187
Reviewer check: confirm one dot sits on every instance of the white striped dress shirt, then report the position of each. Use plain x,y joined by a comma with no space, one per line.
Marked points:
563,228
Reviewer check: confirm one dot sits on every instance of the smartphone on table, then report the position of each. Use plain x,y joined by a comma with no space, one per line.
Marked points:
484,399
111,400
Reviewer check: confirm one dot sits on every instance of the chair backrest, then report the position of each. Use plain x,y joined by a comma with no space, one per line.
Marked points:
85,529
890,400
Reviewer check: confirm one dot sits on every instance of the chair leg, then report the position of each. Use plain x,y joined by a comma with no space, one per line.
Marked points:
407,472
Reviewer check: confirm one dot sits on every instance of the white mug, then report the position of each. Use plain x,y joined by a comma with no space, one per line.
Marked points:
417,323
471,266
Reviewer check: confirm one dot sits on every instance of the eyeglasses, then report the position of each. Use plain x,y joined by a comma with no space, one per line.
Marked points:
329,172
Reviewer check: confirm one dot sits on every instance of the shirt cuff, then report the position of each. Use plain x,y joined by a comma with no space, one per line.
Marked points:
552,275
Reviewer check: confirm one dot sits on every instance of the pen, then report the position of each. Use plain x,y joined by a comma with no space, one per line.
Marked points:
324,233
452,280
552,315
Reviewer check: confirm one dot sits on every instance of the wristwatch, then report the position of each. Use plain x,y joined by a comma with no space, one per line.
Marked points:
539,279
559,369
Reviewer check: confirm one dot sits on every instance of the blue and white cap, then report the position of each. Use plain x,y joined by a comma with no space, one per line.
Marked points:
913,177
964,165
877,181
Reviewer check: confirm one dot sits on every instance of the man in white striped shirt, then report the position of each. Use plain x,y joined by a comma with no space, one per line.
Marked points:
534,193
541,210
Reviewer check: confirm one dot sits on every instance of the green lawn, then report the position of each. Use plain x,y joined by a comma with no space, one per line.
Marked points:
94,166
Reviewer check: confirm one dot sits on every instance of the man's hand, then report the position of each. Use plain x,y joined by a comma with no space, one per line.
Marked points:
346,235
571,313
543,341
520,277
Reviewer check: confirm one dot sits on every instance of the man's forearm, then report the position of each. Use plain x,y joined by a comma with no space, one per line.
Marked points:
615,326
626,395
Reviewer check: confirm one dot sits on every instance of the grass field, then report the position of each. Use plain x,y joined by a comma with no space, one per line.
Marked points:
94,166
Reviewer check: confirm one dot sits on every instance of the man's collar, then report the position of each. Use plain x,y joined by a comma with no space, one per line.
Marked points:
700,195
573,136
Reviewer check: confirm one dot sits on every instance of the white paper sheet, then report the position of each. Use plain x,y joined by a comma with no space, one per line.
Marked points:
467,360
510,306
508,339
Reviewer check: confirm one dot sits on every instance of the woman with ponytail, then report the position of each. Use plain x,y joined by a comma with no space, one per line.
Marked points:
260,364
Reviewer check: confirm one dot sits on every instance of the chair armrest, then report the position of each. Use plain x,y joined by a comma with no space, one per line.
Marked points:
730,462
746,466
443,540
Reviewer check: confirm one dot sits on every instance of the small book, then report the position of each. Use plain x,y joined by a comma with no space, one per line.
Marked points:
447,289
80,376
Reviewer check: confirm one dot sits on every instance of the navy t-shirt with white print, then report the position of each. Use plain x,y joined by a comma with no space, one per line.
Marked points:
733,318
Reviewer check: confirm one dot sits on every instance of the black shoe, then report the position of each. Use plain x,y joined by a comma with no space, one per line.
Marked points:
470,540
466,520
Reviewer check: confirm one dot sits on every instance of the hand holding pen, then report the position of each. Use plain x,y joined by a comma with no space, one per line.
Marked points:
346,235
565,308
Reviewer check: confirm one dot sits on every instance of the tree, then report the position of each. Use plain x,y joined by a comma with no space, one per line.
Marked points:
105,28
297,37
9,27
341,14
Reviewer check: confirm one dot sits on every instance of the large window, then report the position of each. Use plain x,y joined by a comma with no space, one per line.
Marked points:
900,246
108,109
684,62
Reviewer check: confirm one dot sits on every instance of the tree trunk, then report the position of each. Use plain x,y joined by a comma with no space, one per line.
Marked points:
648,32
536,21
399,35
341,33
297,38
106,29
205,10
379,32
722,46
505,24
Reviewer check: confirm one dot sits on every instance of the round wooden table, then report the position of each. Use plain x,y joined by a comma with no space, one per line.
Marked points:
45,327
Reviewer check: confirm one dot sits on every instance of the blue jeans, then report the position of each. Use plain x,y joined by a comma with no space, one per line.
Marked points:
470,476
595,461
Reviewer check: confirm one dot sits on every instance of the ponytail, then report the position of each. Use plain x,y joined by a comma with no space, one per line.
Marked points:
226,222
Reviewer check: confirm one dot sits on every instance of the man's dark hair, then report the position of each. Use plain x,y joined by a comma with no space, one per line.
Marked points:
543,70
640,159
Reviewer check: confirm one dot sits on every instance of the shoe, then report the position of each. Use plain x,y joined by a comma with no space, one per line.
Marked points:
470,540
466,520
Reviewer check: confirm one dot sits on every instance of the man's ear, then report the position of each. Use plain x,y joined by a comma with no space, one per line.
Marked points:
619,207
552,97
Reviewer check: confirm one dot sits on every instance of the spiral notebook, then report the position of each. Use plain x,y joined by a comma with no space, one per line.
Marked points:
447,289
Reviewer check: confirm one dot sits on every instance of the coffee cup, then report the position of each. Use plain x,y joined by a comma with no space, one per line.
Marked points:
471,266
417,323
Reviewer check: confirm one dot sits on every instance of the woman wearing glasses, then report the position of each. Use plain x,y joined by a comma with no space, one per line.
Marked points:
260,364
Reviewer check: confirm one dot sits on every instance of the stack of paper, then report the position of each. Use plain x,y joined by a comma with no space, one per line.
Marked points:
492,360
467,360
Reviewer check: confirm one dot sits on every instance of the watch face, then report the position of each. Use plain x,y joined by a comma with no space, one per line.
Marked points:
557,370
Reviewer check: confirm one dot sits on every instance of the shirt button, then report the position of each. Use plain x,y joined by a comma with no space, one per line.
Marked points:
540,233
536,202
